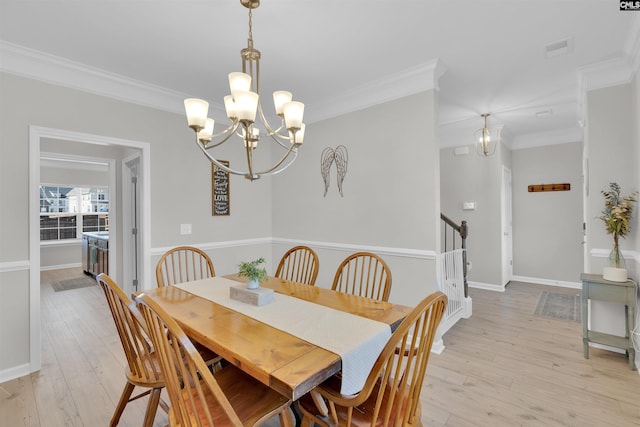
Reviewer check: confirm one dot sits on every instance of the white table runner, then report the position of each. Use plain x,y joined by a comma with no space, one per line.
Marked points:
357,340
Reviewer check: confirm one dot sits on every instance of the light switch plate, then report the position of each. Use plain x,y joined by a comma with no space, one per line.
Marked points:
468,206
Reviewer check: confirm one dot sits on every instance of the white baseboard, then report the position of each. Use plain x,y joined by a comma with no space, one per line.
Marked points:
61,266
438,346
468,308
486,286
548,282
14,372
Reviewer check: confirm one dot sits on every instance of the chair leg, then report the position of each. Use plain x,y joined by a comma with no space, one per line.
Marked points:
124,399
286,417
152,407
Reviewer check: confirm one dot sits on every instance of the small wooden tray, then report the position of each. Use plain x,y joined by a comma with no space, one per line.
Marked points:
258,297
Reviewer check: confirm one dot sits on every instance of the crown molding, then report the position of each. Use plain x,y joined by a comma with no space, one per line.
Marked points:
52,69
33,64
394,86
632,44
539,139
611,72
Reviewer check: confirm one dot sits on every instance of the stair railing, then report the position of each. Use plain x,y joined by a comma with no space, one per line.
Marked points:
461,231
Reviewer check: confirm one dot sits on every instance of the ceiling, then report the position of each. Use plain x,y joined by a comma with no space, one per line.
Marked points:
329,52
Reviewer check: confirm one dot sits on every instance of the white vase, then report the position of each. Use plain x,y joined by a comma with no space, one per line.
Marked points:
253,284
616,271
614,274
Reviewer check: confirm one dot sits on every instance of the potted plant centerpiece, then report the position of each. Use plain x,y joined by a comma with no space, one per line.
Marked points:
252,271
616,216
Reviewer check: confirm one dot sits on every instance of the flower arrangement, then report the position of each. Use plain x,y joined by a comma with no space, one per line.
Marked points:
616,216
252,270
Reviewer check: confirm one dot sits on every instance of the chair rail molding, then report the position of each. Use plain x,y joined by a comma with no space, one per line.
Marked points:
627,254
217,245
344,247
14,266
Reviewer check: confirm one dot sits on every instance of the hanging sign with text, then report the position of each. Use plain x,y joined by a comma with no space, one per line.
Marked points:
220,190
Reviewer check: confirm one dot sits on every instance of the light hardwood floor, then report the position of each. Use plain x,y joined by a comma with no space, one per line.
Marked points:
504,366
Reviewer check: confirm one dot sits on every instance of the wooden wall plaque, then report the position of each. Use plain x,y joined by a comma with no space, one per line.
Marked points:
537,188
220,201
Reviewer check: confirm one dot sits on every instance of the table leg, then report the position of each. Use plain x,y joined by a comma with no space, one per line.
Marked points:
630,316
585,347
585,322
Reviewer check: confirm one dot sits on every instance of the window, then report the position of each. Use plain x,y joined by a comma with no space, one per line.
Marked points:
65,211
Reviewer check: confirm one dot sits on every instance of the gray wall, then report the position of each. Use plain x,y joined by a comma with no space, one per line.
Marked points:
474,178
547,227
613,154
613,145
389,193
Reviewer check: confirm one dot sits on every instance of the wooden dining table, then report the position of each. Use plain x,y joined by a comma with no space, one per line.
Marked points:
284,362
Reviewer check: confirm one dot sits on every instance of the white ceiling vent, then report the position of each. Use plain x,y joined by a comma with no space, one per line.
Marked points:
558,48
543,113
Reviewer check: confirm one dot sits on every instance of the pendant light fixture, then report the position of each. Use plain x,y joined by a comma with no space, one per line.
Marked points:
486,140
242,106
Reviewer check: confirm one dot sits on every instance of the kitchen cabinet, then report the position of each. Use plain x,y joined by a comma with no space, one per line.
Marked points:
95,252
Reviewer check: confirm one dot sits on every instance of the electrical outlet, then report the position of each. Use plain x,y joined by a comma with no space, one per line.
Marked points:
185,228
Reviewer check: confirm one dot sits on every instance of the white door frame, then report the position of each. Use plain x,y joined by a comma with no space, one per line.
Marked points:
129,209
507,226
36,134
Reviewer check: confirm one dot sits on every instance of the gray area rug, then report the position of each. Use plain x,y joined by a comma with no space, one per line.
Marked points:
74,283
559,306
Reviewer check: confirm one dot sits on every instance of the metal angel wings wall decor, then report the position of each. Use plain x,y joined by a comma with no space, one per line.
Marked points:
341,159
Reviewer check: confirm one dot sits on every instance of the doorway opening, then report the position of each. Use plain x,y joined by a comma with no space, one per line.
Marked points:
88,145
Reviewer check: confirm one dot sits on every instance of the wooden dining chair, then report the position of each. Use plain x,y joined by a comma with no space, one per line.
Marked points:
198,398
364,274
183,264
391,393
143,365
299,264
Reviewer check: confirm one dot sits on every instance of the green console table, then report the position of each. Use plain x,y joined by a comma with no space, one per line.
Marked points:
594,287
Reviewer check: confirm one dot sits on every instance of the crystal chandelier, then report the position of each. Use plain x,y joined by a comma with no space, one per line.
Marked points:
485,144
241,107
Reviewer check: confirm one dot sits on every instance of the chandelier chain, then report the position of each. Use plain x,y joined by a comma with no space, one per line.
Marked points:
251,24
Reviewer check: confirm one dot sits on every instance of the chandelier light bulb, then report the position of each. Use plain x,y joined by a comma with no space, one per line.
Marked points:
239,82
281,97
299,135
293,112
207,132
485,137
230,107
197,110
246,103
